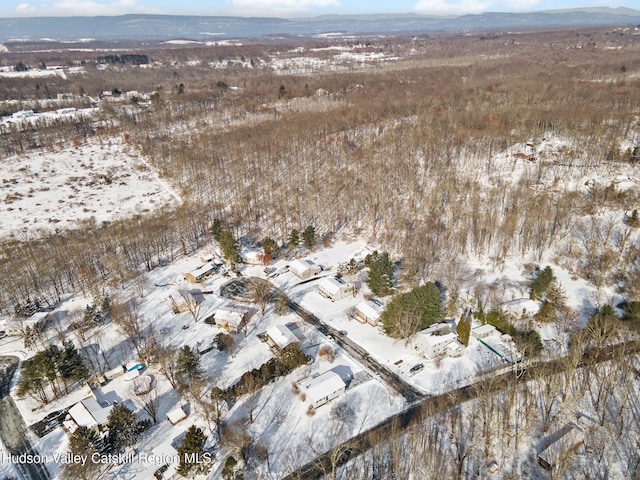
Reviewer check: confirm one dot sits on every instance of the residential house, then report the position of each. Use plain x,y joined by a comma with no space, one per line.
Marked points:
368,311
521,307
304,268
334,288
281,336
434,341
88,413
200,273
483,331
323,388
232,317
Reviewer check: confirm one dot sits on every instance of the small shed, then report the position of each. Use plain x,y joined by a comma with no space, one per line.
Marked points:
176,415
281,336
200,273
334,288
455,349
483,331
323,388
368,311
304,268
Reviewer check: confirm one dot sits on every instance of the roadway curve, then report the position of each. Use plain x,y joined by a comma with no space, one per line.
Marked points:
13,431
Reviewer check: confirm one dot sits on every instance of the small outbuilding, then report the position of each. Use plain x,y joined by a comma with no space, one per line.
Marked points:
323,388
304,268
176,415
334,288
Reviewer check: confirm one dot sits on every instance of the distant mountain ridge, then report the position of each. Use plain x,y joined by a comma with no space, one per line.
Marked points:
167,27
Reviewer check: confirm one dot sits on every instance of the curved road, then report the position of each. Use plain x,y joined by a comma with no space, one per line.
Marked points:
13,431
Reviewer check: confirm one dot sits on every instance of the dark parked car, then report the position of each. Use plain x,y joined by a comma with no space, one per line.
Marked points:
416,368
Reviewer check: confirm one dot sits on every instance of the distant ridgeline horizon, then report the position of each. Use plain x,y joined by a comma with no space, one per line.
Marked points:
166,27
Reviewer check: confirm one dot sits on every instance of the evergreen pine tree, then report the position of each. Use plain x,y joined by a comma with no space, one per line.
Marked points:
294,239
191,452
123,429
464,328
188,363
230,248
309,237
83,441
381,270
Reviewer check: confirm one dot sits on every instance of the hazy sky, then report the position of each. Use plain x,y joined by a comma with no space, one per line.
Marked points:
287,8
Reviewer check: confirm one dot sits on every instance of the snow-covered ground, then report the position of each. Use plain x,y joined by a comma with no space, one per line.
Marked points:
104,179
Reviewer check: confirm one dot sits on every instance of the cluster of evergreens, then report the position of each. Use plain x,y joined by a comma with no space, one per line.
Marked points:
52,369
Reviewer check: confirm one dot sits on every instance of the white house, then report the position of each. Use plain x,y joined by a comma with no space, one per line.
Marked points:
521,307
334,288
323,388
232,317
435,340
89,413
368,311
483,331
304,268
281,336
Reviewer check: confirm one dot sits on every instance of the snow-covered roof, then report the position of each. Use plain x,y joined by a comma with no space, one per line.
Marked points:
432,339
301,266
88,413
281,335
202,270
231,312
332,285
370,309
485,329
176,415
519,305
323,385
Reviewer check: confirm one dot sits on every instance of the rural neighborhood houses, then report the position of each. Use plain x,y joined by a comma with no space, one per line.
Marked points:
87,413
232,317
281,336
435,341
200,273
368,311
323,388
334,288
304,268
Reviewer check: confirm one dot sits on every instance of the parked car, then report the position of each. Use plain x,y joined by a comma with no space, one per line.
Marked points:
342,332
416,368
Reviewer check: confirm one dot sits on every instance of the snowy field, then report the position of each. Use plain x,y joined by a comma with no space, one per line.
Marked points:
104,179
